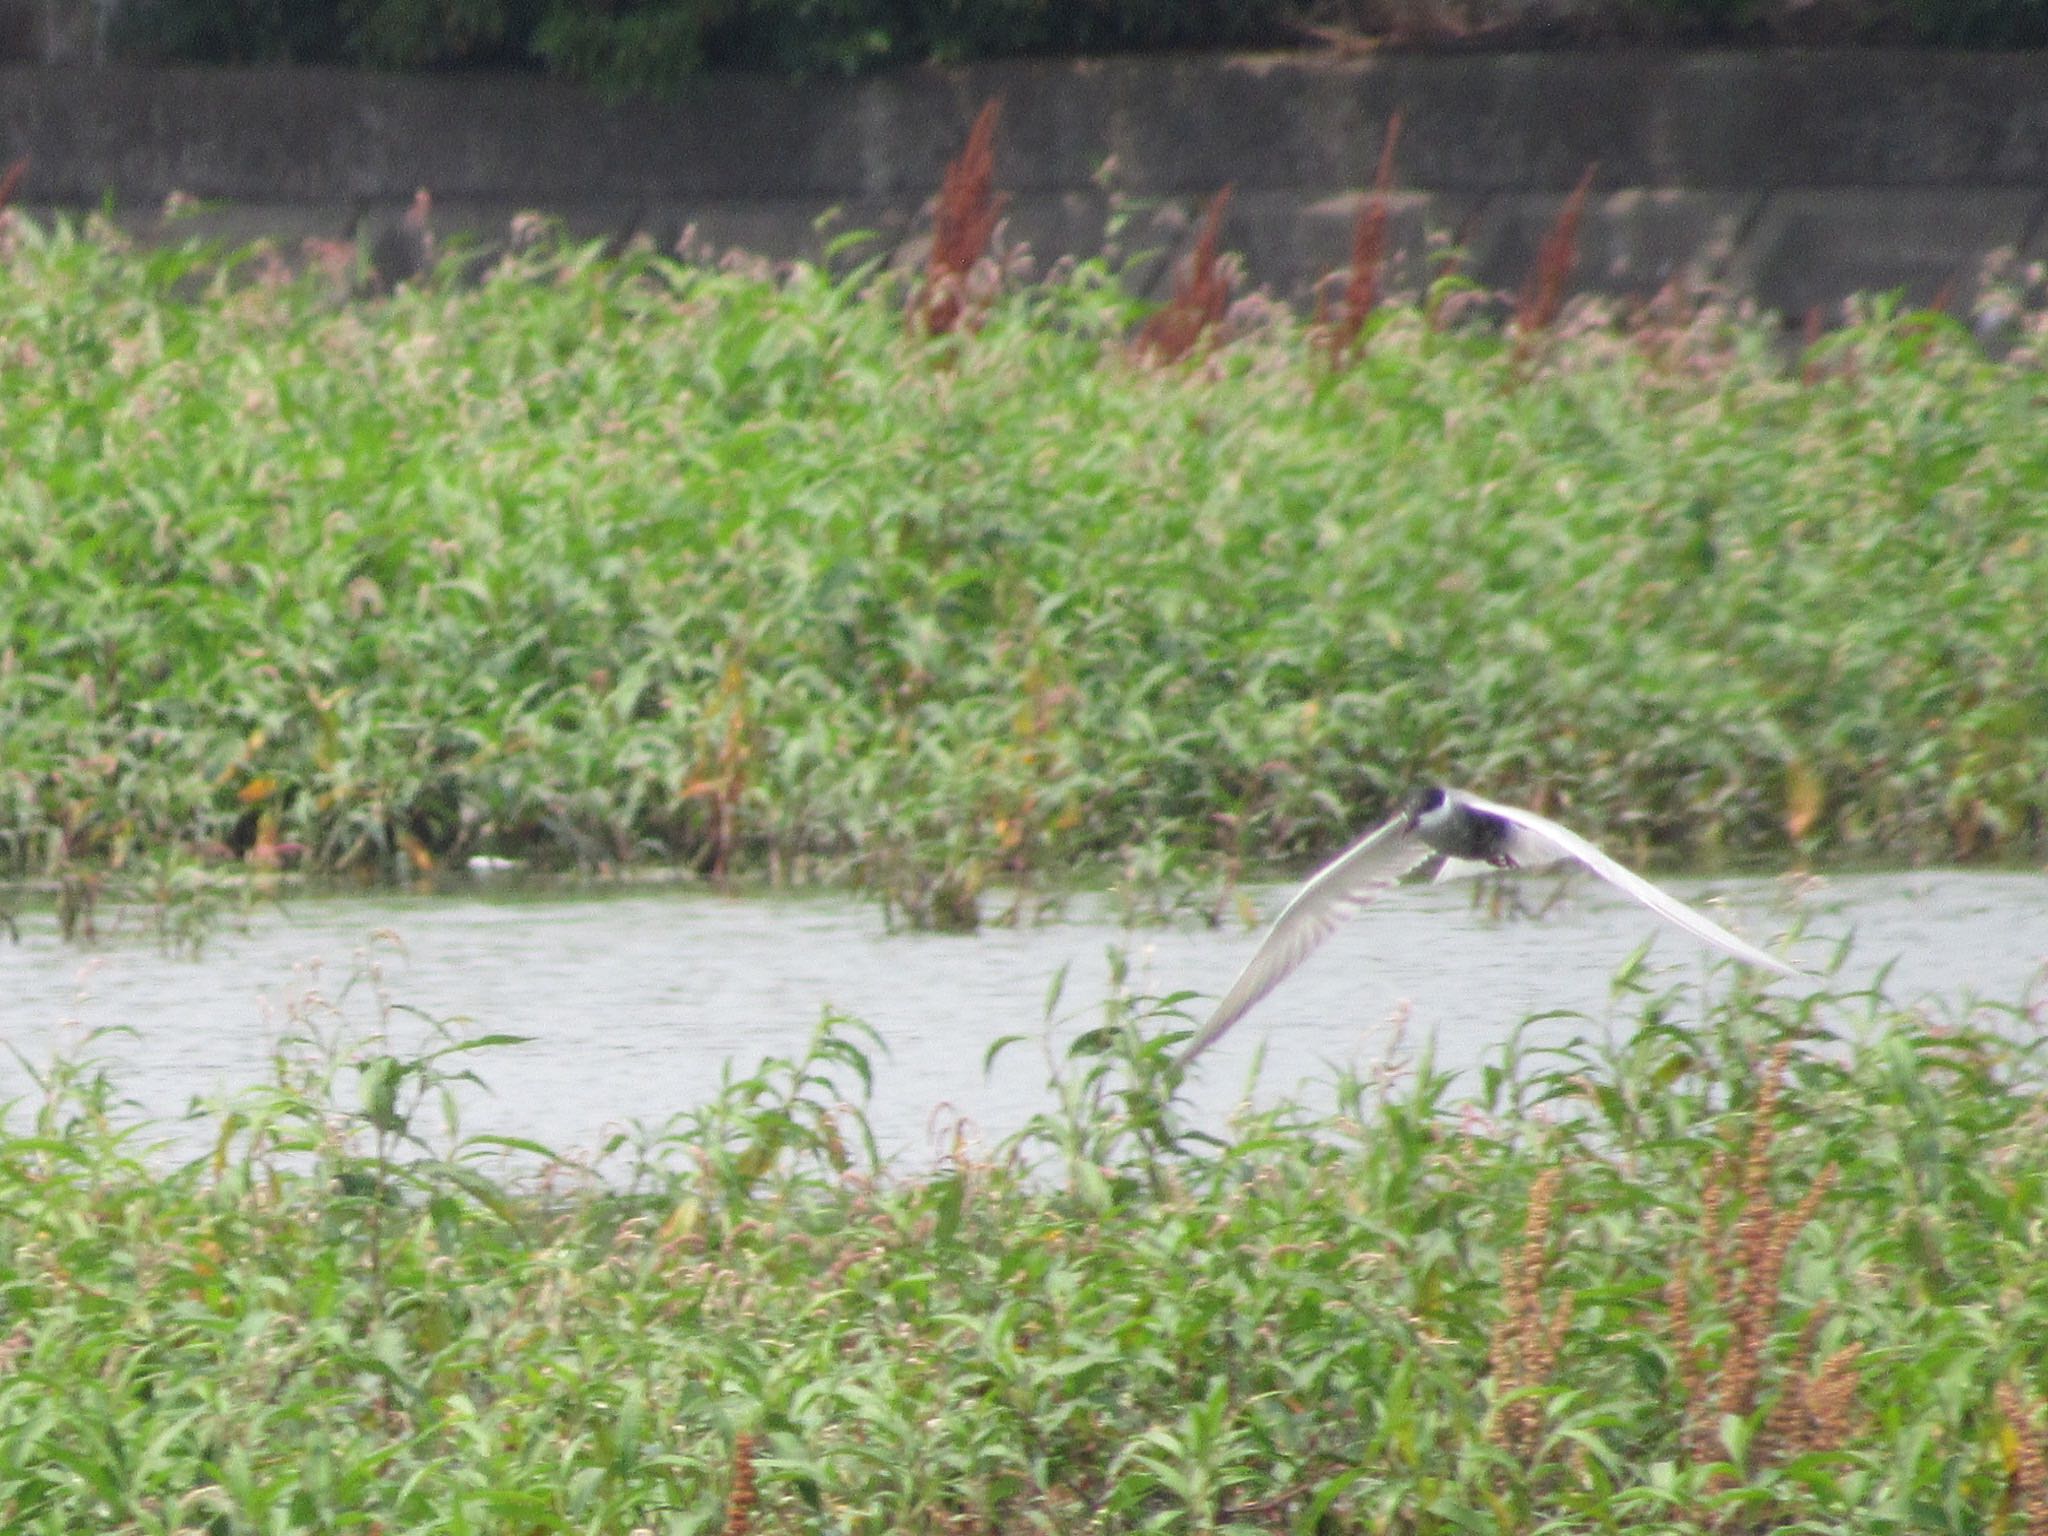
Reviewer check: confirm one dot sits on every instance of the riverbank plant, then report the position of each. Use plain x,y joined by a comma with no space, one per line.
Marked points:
1726,1274
656,45
599,562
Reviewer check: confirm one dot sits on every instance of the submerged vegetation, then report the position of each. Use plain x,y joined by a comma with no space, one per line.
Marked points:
1722,1276
599,561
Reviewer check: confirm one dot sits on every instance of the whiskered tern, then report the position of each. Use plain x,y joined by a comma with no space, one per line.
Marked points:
1465,832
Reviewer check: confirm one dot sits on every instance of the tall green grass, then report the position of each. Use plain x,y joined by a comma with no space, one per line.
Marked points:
598,562
1723,1276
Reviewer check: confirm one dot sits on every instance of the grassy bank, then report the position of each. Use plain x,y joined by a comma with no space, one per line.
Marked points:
598,563
1722,1278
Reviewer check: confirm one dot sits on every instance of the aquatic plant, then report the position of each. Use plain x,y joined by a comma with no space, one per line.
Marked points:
964,220
599,562
1364,279
1717,1275
1200,297
1542,297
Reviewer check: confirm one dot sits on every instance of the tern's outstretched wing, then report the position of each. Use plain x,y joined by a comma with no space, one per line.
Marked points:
1547,842
1342,888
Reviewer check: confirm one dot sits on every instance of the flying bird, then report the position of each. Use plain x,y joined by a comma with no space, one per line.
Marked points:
1467,834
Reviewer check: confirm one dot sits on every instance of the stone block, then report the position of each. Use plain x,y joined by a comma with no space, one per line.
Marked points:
488,222
232,225
1054,134
1059,224
780,229
52,31
1188,127
1631,241
1850,118
1293,249
897,230
1811,249
1490,145
21,31
1482,124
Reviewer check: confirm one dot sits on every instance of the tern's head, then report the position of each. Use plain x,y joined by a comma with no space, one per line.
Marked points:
1428,808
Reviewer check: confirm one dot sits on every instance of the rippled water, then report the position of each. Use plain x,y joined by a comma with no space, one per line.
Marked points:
636,1002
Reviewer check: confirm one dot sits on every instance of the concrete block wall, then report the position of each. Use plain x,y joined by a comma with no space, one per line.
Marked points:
1796,176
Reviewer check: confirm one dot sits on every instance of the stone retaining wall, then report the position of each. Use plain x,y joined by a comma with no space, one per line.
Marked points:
1796,176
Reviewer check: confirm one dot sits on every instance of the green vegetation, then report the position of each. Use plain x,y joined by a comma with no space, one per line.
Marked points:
600,562
655,45
1712,1280
627,45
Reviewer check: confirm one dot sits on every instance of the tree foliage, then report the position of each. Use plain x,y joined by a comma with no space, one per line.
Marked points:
653,45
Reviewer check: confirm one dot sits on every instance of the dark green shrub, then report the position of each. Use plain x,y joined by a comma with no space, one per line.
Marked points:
391,34
642,51
230,31
649,46
406,34
1976,23
845,36
1945,23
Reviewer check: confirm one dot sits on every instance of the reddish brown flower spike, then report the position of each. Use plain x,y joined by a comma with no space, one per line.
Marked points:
1543,295
1811,371
2029,1459
1200,295
963,223
1368,253
739,1504
10,180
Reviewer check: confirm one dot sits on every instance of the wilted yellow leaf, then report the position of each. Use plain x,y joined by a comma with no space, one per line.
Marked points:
683,1222
1805,796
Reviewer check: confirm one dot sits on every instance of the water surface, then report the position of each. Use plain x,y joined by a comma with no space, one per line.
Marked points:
636,1002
